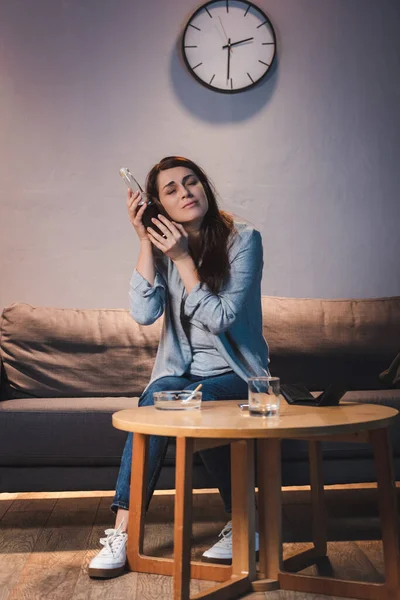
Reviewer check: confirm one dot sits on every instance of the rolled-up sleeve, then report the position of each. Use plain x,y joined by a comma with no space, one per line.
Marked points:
217,312
146,301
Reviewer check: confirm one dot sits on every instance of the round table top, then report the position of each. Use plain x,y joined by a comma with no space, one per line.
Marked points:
224,419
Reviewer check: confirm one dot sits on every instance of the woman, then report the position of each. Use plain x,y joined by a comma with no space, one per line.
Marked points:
204,274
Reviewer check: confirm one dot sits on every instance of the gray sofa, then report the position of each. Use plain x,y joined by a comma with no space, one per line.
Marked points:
64,372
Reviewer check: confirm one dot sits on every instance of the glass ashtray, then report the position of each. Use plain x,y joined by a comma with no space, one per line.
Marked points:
177,400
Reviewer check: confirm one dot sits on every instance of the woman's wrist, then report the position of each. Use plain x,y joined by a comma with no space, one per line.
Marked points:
187,271
185,258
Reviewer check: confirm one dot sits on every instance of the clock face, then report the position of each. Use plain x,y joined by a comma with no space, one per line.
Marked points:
229,45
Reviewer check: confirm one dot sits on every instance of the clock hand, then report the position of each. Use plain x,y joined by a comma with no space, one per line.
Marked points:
239,42
229,58
223,28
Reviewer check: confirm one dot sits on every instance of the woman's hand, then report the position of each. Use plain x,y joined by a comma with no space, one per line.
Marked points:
135,215
175,243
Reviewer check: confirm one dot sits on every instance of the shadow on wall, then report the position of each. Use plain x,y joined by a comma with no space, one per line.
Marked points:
215,107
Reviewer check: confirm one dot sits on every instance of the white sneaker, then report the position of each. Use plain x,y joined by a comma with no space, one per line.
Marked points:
221,552
110,561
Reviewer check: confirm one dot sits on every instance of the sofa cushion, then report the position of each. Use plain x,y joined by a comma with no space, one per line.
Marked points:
321,341
55,352
65,431
61,431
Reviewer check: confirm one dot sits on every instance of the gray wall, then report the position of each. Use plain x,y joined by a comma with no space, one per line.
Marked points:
310,156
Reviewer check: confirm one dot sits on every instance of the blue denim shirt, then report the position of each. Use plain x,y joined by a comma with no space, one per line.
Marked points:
233,316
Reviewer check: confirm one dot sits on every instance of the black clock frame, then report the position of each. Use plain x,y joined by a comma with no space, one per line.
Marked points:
207,85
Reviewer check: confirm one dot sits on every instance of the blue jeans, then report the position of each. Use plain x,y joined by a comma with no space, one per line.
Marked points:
228,386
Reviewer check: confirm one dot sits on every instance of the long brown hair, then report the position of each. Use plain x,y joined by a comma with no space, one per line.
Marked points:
212,262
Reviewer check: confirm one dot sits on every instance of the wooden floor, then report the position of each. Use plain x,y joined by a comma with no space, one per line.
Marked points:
47,541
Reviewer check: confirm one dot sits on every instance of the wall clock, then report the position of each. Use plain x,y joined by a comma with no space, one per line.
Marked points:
229,45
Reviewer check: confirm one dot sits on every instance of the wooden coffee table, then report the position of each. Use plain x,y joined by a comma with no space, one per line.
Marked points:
222,422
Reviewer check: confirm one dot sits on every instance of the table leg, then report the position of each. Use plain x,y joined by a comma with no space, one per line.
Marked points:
388,509
243,517
243,509
270,513
302,560
137,500
317,497
183,517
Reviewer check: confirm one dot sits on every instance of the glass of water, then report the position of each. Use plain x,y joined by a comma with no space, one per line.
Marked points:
264,396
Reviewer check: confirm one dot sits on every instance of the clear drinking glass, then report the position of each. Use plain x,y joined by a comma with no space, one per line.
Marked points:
264,396
177,400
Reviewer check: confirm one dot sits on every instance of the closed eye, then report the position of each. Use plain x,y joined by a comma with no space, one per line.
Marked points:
186,181
193,181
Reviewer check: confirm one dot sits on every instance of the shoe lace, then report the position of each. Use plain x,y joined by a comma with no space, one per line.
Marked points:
226,536
115,538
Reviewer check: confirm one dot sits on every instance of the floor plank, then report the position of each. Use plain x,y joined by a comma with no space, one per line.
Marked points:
345,560
28,502
374,552
19,532
4,507
54,563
